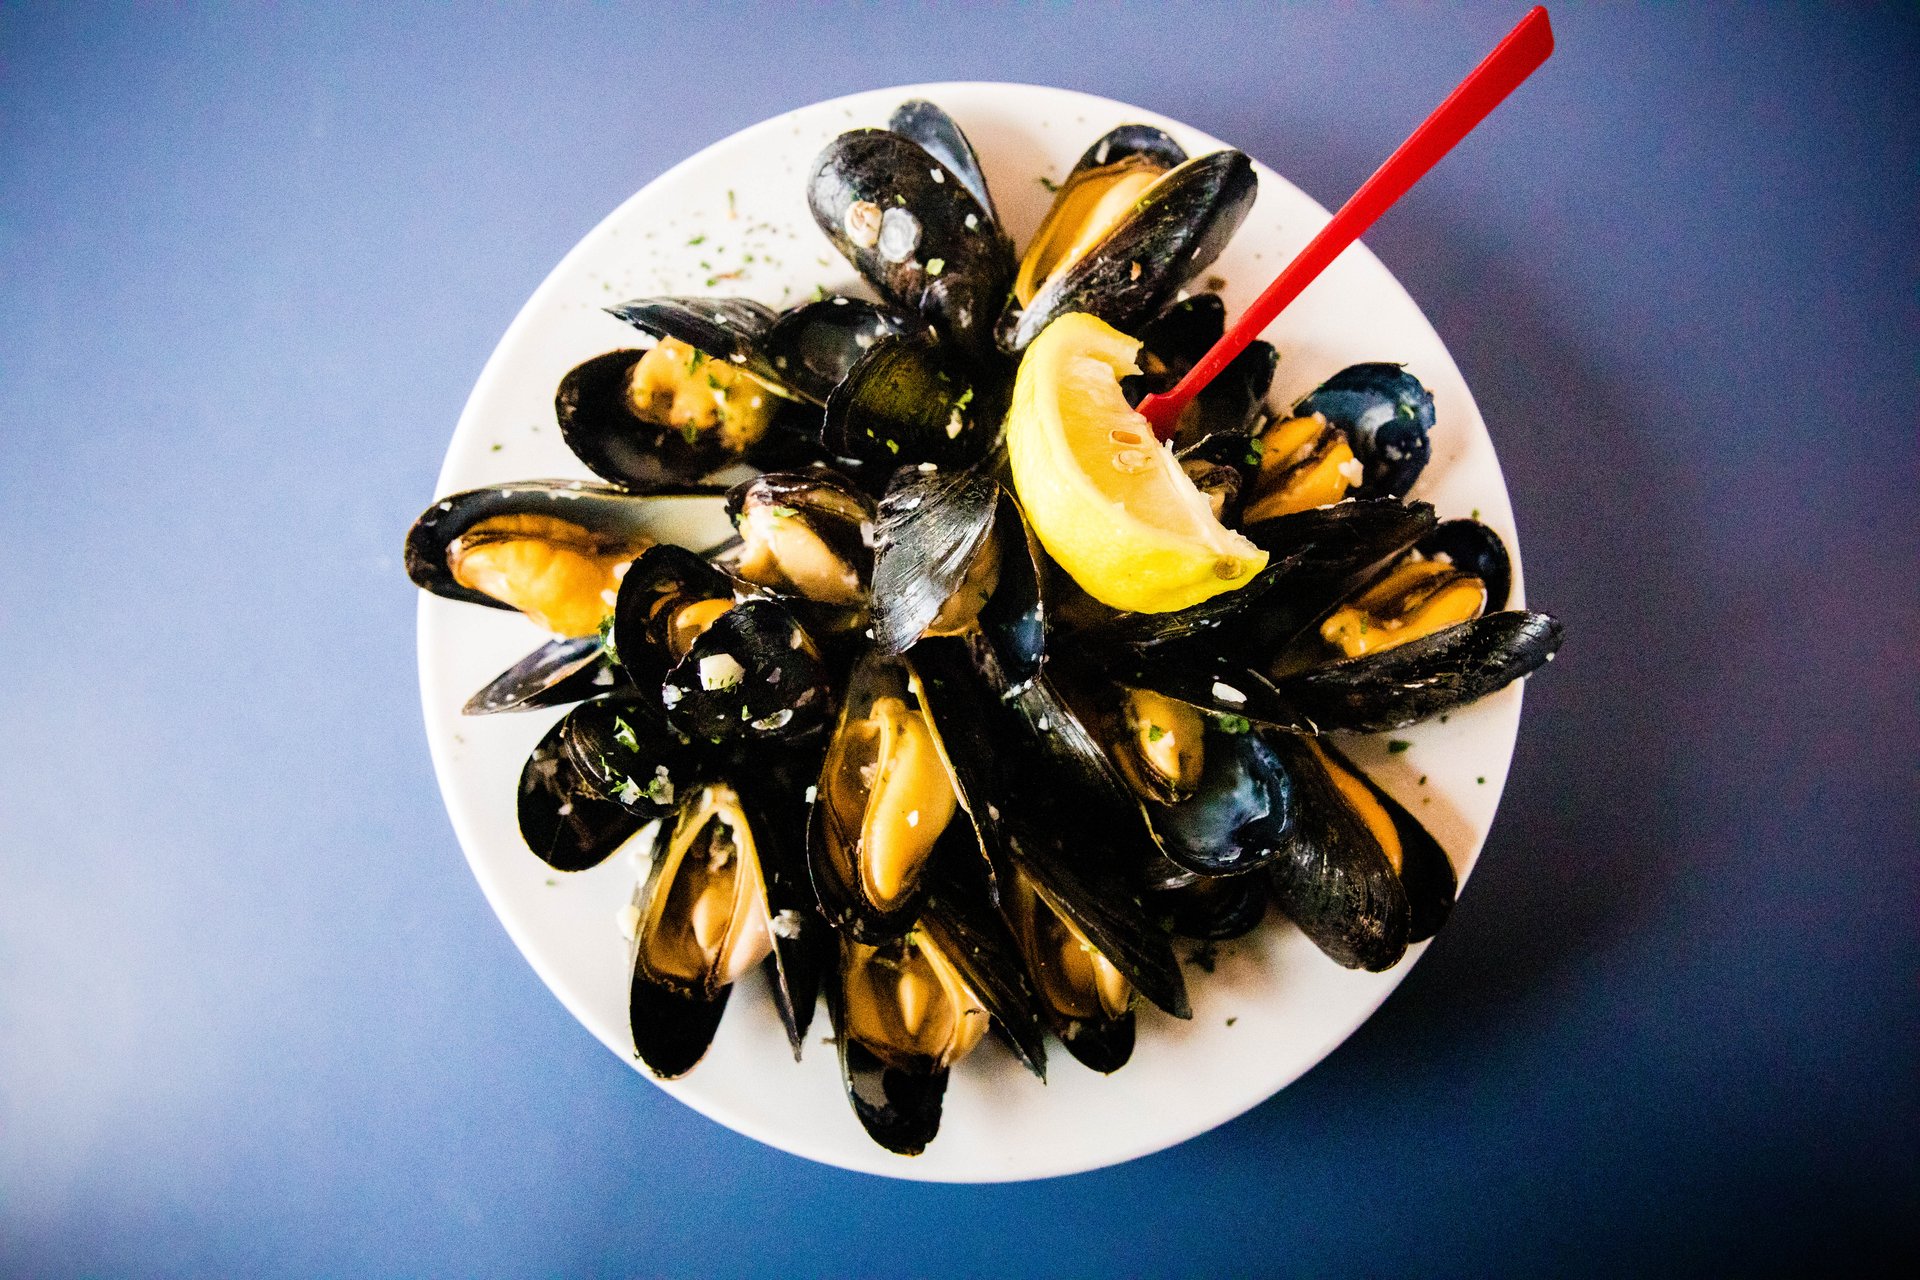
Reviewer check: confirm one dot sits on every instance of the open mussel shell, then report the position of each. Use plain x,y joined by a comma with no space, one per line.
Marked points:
1175,230
569,669
562,819
1396,687
1425,870
942,138
934,556
643,451
805,535
733,330
1238,816
885,809
814,345
915,232
1318,559
707,916
597,519
906,401
1336,881
1472,547
1387,417
627,753
754,675
667,597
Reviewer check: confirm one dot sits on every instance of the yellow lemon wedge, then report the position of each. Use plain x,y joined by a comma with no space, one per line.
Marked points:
1108,501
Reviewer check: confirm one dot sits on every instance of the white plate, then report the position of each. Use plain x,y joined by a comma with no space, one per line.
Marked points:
1273,1006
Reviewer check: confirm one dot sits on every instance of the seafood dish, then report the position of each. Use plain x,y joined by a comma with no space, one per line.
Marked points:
990,699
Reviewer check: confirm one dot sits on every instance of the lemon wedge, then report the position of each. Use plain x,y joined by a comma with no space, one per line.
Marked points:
1108,501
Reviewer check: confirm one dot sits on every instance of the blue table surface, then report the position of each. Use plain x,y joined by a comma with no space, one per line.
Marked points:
255,1016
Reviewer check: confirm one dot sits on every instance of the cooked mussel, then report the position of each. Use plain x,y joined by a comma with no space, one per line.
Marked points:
703,923
1124,235
1424,677
884,798
941,137
907,400
671,414
906,1010
936,561
668,597
1471,547
803,534
552,549
1215,428
1362,433
753,674
1213,908
625,751
914,230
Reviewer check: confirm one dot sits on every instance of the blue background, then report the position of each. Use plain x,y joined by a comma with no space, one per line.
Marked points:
255,1016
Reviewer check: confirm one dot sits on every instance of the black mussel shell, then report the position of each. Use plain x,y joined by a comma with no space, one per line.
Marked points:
940,137
1325,555
570,669
898,1105
656,586
907,402
627,753
914,232
774,798
1214,909
1142,140
830,507
966,721
962,918
1239,818
1396,687
932,527
1473,548
598,424
672,1028
1334,880
598,507
1425,869
754,675
1386,415
1176,230
561,819
1146,632
730,329
814,345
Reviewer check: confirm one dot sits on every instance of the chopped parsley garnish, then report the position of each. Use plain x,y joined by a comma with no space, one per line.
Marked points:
695,360
1155,733
1048,183
1235,724
783,512
1481,781
1397,745
624,735
699,239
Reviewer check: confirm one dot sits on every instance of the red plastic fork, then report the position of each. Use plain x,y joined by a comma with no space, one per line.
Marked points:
1486,86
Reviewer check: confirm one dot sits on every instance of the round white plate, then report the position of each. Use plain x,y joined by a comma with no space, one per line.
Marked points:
734,219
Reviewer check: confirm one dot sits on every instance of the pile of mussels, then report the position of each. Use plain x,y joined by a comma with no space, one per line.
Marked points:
891,749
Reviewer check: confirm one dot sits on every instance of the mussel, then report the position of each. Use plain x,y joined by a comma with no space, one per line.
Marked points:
753,674
1126,230
905,1010
806,535
814,345
884,799
914,230
605,769
705,919
1362,433
1363,878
